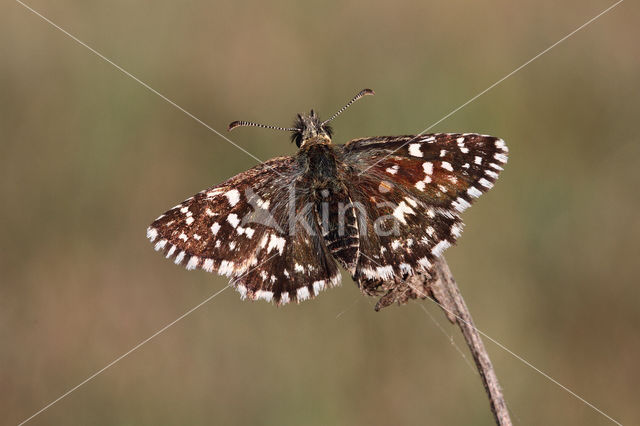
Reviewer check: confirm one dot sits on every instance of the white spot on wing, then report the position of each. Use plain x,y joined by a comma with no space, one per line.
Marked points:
427,166
277,243
461,145
474,192
491,173
179,257
152,233
208,265
400,211
485,183
303,294
369,273
189,220
160,244
243,291
264,240
263,204
446,165
335,280
385,272
456,230
318,286
411,201
405,268
183,237
420,185
233,219
414,149
440,247
233,196
193,262
225,268
264,294
500,157
460,204
393,170
424,262
215,228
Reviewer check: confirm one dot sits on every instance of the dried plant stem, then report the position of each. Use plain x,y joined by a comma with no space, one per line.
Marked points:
445,291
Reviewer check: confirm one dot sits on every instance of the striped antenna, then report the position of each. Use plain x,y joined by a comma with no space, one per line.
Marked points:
362,93
264,126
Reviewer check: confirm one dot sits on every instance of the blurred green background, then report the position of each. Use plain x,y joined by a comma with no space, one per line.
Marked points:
548,263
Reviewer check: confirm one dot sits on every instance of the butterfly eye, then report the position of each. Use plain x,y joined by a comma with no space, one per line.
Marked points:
296,137
328,130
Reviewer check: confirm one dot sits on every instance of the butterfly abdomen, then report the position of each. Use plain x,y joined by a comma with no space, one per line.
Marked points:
334,210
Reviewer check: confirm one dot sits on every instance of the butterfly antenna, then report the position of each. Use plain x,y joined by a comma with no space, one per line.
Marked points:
362,93
264,126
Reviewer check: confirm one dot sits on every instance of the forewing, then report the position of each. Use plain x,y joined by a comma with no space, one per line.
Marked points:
422,183
241,229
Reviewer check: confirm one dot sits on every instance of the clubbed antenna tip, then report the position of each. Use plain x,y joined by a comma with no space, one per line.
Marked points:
362,93
234,124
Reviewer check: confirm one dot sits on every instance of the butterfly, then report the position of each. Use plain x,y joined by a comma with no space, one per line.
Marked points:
383,208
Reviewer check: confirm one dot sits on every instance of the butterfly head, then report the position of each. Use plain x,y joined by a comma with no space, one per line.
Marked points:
308,129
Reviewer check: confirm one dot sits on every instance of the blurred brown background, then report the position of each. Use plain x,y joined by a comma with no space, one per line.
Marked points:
548,262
